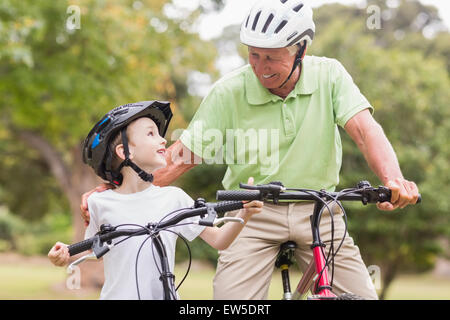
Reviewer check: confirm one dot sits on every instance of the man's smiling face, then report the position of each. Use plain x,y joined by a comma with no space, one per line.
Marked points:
271,66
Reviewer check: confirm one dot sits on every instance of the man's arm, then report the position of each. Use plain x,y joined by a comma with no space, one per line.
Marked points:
179,160
381,158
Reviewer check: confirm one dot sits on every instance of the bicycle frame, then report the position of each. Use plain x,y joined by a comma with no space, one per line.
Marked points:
316,273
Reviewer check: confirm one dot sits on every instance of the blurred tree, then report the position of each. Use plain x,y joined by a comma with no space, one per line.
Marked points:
62,71
408,88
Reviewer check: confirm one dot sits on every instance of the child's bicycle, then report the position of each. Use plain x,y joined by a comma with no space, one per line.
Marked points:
315,278
101,243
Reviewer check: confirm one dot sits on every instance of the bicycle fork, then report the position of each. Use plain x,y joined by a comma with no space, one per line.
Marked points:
322,288
167,278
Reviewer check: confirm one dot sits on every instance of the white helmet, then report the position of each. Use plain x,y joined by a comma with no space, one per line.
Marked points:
278,24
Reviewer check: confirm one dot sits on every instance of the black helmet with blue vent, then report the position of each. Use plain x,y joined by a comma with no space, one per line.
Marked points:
96,150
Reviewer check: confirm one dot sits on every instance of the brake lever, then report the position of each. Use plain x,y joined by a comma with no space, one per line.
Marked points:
227,219
90,256
211,216
97,252
273,188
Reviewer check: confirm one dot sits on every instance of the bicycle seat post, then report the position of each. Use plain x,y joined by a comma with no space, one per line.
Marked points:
283,262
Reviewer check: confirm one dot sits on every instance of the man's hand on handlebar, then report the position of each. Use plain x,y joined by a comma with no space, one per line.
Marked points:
84,204
404,192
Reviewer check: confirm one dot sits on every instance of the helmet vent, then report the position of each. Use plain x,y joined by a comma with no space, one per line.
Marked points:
297,8
269,20
280,26
283,1
246,23
255,22
292,35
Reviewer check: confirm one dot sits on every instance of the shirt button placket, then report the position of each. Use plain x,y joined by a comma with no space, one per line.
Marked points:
288,123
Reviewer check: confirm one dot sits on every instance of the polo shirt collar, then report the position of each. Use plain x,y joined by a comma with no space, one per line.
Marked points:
258,95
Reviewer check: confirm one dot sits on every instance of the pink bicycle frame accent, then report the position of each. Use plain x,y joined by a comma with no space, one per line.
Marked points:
316,272
322,281
311,278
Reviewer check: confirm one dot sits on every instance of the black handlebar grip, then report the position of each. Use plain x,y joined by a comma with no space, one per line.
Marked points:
387,197
226,206
238,195
80,246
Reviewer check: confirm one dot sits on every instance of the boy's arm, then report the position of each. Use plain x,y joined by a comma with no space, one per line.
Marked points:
221,238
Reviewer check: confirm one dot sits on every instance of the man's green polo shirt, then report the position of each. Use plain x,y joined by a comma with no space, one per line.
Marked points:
258,134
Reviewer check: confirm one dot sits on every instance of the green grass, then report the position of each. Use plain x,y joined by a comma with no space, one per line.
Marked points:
198,285
23,279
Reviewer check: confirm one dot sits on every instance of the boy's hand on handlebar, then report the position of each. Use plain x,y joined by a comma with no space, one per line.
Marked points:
404,192
255,206
84,204
59,254
251,208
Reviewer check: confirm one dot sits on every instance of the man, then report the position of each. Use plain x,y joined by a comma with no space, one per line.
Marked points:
293,105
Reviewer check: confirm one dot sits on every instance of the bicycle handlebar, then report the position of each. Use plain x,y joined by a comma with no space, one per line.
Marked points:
363,192
108,234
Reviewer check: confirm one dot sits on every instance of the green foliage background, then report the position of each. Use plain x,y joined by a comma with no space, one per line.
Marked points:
55,83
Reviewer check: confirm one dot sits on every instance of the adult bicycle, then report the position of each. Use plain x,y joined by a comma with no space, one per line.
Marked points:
315,278
101,243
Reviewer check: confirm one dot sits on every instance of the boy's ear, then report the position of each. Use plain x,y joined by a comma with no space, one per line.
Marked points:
120,152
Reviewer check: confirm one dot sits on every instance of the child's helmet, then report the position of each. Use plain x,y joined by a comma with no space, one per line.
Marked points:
96,151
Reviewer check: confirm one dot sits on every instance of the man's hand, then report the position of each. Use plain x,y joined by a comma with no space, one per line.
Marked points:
404,192
84,204
179,160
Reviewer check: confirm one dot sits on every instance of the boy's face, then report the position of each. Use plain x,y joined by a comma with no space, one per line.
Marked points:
147,147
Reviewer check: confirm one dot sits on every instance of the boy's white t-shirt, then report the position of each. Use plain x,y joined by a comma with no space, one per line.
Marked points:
149,205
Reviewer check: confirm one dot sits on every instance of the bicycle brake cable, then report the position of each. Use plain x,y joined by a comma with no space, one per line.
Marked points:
314,194
189,254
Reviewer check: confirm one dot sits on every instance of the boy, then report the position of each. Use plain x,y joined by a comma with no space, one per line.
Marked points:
129,140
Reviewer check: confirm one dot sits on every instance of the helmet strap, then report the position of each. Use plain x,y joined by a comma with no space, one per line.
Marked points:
127,162
297,62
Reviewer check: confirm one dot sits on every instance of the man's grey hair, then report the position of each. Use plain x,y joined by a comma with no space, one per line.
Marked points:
294,49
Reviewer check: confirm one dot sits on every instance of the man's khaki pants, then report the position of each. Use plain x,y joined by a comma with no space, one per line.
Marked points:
245,269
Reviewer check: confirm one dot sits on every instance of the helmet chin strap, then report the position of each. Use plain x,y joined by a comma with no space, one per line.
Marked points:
297,62
127,162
